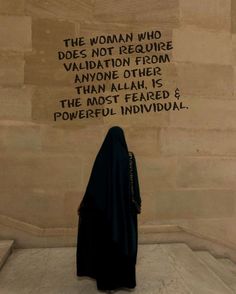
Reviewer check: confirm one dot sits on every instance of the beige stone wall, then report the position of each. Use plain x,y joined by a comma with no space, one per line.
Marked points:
186,159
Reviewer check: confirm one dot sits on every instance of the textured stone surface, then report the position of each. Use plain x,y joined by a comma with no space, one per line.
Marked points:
15,33
47,40
192,204
211,14
29,271
234,80
43,171
230,265
234,49
157,172
20,138
136,137
11,70
72,140
226,276
205,114
57,274
5,250
137,11
166,268
14,7
205,80
16,103
184,142
73,10
42,207
196,276
213,229
233,14
206,172
36,237
205,47
44,108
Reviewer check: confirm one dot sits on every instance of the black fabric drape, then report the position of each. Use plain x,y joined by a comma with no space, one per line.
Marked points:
107,230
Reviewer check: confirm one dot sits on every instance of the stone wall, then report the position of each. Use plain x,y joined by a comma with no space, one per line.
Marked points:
186,159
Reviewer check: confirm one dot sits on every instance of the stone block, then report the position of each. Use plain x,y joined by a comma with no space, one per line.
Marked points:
72,10
137,11
205,114
47,40
234,49
11,70
233,16
206,172
48,36
178,141
143,141
156,172
201,46
47,73
71,140
191,204
43,171
15,33
67,171
205,80
39,207
234,81
9,7
46,102
170,76
212,14
16,103
20,138
16,172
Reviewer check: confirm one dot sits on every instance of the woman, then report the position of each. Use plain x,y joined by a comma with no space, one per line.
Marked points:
107,235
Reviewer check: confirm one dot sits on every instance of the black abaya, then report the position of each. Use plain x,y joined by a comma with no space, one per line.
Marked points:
107,231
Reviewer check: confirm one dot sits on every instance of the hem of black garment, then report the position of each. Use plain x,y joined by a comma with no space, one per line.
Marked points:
116,288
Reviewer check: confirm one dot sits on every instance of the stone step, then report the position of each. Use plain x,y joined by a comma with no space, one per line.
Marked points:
198,277
161,268
156,273
228,263
231,266
5,250
217,267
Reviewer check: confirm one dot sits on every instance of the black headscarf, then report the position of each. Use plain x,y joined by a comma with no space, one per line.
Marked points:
107,211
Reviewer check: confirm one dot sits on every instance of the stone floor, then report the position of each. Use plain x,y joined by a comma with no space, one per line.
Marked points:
161,268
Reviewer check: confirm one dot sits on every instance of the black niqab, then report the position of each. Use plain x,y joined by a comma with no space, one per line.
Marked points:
107,235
